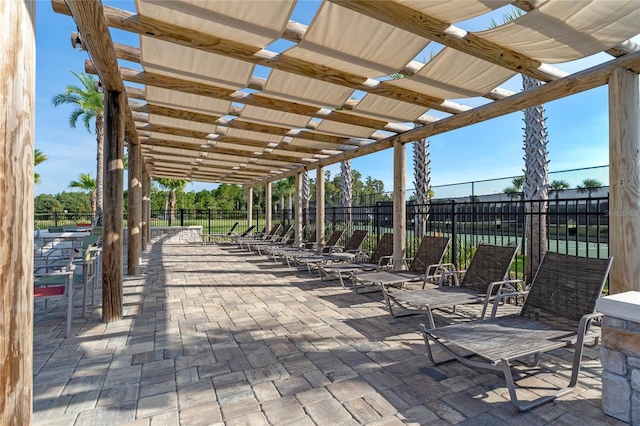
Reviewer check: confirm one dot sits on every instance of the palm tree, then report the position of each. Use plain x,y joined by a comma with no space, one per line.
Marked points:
346,188
422,184
589,185
173,186
515,190
306,196
558,185
88,104
285,188
38,157
88,184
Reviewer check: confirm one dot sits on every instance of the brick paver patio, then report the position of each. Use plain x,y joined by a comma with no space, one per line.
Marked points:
214,335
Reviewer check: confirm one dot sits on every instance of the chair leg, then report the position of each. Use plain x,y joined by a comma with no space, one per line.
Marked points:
70,285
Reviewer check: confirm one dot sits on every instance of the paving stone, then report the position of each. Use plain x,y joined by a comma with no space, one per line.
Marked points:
313,395
350,389
195,393
232,392
239,408
156,404
283,409
327,412
291,385
361,411
203,414
165,419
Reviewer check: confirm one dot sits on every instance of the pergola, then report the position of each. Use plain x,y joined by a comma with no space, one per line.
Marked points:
205,116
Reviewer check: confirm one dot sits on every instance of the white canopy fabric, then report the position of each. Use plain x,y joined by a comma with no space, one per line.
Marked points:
240,93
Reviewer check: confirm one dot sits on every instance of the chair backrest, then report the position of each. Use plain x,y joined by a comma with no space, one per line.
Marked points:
285,230
312,238
249,229
355,241
489,264
334,238
384,248
90,240
233,228
430,252
96,230
565,288
55,229
274,230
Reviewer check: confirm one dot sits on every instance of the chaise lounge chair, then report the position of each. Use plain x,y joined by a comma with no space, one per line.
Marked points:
557,313
332,242
214,238
334,254
381,257
425,266
484,278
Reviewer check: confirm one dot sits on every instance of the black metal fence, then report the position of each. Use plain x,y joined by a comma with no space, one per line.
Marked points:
575,226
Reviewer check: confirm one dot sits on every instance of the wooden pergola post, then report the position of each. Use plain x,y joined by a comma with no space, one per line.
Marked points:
249,207
298,210
134,209
399,205
268,205
114,107
17,125
624,180
145,208
320,206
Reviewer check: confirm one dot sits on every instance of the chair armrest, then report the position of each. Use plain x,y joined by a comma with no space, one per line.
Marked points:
503,293
387,260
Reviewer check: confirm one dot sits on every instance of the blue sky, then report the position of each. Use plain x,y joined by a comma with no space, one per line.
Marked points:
577,126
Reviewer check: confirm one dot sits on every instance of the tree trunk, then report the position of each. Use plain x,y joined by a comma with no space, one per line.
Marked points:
92,200
172,207
346,189
99,167
306,196
422,183
536,185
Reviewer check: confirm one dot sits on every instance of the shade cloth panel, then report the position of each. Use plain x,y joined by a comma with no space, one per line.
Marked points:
298,88
453,74
352,42
187,101
192,64
255,23
560,31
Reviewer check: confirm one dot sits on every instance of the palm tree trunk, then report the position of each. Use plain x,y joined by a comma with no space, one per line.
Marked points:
422,176
99,166
536,185
92,200
306,195
172,207
346,189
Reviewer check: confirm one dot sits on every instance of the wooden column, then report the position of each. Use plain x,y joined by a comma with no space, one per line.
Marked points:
399,205
114,104
268,206
146,201
320,206
134,209
298,211
147,212
624,181
17,118
249,207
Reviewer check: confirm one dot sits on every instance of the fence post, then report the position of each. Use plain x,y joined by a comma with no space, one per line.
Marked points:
181,217
209,222
55,218
454,239
333,217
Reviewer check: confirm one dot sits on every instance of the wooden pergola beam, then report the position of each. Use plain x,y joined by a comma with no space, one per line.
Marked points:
570,85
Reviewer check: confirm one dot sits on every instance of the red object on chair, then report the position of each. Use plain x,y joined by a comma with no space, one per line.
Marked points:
48,291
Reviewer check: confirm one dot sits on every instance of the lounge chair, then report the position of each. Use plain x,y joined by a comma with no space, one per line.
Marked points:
332,242
280,239
380,258
483,279
426,266
234,238
213,238
248,241
557,313
333,253
277,252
